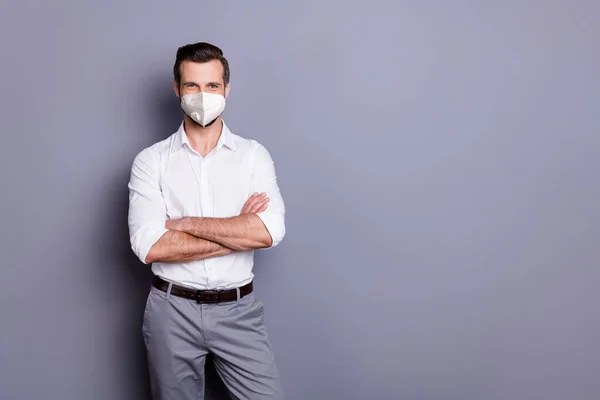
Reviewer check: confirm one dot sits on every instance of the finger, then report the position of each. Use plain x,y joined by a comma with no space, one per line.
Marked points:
258,207
255,199
249,202
247,205
255,207
265,205
252,196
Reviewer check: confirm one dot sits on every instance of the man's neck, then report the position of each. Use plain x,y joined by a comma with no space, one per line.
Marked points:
203,140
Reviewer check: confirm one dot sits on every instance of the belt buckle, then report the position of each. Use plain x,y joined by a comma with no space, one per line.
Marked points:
208,296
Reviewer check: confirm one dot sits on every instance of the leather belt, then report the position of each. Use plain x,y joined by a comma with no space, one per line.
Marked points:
203,296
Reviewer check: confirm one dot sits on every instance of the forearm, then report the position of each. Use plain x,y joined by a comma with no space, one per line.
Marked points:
244,232
176,246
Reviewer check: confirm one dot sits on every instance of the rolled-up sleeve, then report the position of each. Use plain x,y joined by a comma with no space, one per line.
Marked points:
264,180
147,211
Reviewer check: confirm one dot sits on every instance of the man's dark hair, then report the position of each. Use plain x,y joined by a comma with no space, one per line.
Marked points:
199,52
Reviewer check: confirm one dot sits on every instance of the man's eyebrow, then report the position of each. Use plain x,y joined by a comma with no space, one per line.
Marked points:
194,83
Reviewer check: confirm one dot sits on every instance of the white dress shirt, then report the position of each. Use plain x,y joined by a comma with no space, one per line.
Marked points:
171,180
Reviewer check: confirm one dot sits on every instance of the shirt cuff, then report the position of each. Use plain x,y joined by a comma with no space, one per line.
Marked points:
275,226
145,239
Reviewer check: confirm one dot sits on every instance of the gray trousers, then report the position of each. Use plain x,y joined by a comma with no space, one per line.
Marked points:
179,333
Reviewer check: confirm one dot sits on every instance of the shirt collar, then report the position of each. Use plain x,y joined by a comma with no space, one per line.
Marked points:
226,138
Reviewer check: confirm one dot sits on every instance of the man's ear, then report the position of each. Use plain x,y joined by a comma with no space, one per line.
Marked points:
176,89
227,88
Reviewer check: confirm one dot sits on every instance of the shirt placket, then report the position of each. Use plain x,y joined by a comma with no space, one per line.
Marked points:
205,208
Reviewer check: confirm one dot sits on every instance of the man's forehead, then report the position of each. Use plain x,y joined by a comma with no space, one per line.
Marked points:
213,67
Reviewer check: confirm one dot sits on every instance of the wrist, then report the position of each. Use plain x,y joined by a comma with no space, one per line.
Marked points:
185,224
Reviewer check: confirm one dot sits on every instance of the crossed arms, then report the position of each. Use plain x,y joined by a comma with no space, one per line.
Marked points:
154,238
196,238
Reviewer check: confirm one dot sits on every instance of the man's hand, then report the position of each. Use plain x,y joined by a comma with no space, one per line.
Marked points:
175,224
256,203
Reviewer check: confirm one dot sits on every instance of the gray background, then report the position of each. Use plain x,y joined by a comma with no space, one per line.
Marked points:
438,160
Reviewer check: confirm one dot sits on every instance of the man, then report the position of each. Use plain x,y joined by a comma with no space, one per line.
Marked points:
200,203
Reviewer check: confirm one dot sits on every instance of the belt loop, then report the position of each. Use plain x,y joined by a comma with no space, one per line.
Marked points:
237,292
169,290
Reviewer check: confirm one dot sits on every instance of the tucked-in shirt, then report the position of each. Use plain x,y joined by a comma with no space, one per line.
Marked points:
171,180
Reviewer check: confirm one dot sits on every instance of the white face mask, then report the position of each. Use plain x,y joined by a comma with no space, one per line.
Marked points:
203,107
